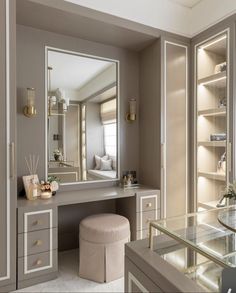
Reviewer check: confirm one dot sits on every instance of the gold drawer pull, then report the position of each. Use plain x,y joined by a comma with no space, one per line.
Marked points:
38,222
38,242
149,205
39,262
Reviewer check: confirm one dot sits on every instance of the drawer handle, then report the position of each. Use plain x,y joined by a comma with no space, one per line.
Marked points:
38,242
149,205
39,262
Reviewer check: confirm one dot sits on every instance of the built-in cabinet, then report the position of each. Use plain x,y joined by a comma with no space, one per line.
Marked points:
212,142
7,147
174,128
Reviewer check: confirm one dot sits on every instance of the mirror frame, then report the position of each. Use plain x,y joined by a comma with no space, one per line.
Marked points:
49,48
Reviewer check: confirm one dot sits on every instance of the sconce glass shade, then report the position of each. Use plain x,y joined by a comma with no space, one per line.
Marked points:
29,109
30,97
131,116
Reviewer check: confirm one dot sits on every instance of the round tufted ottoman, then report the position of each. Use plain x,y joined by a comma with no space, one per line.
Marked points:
102,238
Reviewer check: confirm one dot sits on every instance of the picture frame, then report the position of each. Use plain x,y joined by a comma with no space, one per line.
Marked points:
27,180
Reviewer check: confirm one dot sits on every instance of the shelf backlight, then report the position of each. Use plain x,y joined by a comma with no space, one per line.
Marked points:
213,80
213,42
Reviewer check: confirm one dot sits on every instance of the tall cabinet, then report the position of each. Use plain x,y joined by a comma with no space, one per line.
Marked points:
212,146
7,149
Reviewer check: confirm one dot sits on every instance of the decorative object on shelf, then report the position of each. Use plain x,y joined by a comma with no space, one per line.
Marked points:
218,137
46,190
221,167
129,179
31,182
57,155
54,181
220,67
131,116
230,192
222,102
30,110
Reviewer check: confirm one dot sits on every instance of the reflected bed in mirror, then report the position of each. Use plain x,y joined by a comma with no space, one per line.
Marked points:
82,117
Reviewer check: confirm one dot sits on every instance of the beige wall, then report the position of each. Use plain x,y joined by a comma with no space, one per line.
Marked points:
30,73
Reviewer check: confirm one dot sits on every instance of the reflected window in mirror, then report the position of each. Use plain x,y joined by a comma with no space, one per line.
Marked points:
82,120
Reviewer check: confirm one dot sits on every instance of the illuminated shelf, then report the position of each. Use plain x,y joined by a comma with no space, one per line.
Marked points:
212,175
217,80
212,143
208,205
212,112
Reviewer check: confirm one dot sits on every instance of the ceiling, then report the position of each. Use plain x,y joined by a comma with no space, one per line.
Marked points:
187,3
72,71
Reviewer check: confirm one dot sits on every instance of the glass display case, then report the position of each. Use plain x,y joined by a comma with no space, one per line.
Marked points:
211,137
201,246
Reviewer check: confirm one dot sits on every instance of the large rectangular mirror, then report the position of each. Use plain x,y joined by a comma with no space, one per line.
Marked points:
82,117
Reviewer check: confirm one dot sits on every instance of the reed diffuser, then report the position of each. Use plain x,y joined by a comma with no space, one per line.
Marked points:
31,182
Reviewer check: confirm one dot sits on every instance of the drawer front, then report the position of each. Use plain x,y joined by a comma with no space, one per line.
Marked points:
37,265
37,220
34,220
137,280
37,242
144,218
148,203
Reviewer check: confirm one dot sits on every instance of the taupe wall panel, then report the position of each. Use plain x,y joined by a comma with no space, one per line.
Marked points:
150,115
30,73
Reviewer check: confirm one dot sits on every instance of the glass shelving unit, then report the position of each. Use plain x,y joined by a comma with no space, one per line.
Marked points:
200,245
212,121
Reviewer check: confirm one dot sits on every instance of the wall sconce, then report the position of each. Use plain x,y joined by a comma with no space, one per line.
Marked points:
131,116
29,110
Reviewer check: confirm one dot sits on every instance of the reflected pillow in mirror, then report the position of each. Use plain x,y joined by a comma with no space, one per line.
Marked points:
113,162
106,165
98,161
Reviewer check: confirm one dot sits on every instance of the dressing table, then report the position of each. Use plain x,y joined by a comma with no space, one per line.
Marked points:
38,225
88,143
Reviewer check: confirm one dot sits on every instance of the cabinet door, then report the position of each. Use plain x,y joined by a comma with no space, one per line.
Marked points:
7,169
175,129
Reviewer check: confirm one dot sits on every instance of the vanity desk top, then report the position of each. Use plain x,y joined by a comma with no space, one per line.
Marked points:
86,195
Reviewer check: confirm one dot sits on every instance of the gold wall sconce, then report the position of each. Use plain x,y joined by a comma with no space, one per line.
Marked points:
131,116
29,109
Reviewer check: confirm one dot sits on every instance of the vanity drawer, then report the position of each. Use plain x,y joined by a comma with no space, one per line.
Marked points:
34,220
148,202
37,265
37,242
144,218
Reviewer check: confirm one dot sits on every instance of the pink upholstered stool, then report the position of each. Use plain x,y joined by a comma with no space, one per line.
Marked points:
102,238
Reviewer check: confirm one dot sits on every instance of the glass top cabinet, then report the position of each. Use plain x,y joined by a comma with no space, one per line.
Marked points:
212,122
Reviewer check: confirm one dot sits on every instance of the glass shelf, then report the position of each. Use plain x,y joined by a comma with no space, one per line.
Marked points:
203,233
